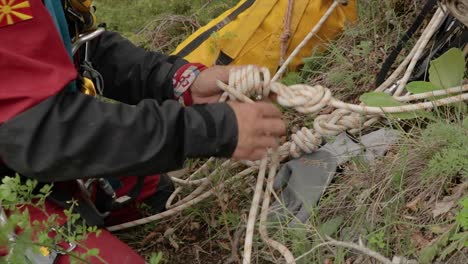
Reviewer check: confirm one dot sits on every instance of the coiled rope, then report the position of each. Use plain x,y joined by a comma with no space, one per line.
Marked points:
255,82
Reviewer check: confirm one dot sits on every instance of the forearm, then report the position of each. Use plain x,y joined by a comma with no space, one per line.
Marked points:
70,136
130,73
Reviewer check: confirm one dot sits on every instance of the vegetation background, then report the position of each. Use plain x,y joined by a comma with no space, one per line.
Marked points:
412,203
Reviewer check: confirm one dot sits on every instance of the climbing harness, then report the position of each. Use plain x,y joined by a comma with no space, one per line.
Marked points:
97,196
93,83
81,14
256,82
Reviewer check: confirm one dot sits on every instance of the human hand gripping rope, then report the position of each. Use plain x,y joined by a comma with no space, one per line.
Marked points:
255,82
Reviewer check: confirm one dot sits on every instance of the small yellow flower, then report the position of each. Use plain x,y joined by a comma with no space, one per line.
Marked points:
44,251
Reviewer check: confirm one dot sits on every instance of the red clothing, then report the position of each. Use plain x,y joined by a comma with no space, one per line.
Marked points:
31,55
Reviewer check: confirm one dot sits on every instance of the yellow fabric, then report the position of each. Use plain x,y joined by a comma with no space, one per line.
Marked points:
83,6
254,36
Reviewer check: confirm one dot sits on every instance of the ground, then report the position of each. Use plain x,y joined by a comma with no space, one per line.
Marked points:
412,203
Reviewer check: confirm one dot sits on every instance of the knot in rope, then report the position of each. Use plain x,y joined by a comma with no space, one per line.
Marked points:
338,121
304,141
255,82
303,98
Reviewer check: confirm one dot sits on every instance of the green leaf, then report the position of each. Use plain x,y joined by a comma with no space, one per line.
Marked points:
460,240
448,250
427,254
93,252
424,87
448,70
381,99
331,226
156,258
421,87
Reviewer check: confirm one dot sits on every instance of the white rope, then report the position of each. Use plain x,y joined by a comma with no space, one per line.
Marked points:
428,32
253,212
432,27
287,255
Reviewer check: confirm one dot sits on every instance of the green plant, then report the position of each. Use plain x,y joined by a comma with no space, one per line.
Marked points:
16,196
156,258
446,71
448,148
376,240
456,238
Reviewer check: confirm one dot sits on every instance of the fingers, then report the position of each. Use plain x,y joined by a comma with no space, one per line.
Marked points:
268,110
223,73
271,127
258,154
266,142
260,126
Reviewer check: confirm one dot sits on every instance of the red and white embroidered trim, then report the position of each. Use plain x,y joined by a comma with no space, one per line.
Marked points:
182,81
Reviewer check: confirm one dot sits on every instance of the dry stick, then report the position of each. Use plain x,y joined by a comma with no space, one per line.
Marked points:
360,248
187,181
433,26
200,189
287,31
181,207
316,28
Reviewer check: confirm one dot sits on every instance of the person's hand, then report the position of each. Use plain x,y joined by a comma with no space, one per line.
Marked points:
259,128
204,89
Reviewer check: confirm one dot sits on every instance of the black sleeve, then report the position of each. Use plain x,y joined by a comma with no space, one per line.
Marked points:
71,135
130,73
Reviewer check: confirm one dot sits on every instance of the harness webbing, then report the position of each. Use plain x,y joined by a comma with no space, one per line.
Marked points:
55,9
408,34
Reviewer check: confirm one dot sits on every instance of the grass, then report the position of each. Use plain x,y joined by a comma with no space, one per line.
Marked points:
389,205
158,25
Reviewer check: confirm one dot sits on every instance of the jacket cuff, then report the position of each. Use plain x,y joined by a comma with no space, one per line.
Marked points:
211,131
183,79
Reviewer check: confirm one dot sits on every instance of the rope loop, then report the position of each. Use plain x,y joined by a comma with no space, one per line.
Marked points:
250,81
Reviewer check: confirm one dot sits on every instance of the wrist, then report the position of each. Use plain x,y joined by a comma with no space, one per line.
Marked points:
183,80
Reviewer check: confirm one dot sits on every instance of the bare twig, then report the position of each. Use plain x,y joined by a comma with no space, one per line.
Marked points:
360,248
